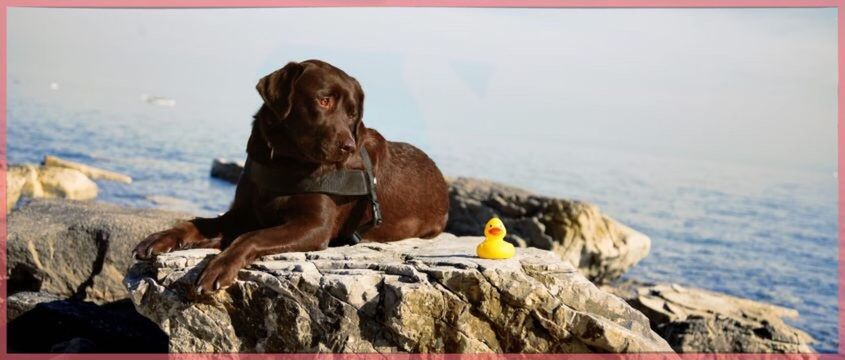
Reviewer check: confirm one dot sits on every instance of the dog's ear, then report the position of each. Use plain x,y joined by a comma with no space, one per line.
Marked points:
277,89
359,127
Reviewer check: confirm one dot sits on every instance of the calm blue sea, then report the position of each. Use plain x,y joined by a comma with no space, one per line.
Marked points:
763,233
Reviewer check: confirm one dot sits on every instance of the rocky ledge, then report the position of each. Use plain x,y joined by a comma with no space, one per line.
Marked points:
600,247
700,321
77,249
67,260
413,295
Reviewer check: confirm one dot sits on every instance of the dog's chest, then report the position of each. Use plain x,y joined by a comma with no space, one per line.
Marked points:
270,210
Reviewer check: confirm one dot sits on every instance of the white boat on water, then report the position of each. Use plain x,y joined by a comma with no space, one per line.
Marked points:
158,100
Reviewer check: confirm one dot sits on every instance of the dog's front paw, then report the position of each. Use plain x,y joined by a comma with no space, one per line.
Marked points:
158,243
220,273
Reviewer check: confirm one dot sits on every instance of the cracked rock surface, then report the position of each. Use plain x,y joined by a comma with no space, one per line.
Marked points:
77,249
413,295
600,247
700,321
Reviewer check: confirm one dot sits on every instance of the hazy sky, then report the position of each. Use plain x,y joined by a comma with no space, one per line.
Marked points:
753,85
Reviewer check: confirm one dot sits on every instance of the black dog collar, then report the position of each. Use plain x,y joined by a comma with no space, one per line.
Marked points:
338,182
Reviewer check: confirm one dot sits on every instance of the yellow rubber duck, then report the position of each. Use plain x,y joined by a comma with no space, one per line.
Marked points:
494,245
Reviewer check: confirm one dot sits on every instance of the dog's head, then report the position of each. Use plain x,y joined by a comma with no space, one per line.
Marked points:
316,107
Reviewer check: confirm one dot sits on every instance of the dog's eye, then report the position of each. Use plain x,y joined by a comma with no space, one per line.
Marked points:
353,114
325,102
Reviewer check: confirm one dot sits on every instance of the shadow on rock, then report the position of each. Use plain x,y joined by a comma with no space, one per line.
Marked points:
82,327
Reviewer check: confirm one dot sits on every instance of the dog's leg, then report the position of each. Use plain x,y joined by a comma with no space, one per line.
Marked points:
196,233
301,235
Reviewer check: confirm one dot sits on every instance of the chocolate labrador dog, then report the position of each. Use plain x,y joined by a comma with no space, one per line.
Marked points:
311,125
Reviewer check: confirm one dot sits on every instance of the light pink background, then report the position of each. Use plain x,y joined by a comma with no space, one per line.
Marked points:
4,5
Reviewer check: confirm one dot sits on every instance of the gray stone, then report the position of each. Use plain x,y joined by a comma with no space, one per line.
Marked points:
600,247
413,295
77,249
227,170
700,321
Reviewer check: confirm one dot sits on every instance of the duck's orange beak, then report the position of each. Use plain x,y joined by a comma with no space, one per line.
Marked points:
495,231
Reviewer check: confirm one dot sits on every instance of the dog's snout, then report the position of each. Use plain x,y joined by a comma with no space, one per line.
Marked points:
347,146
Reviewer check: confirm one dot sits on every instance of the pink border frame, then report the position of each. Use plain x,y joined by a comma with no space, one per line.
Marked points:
5,4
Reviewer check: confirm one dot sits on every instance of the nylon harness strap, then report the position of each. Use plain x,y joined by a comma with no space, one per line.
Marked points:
338,182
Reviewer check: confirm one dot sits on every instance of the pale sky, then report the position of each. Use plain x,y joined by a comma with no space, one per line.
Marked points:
752,85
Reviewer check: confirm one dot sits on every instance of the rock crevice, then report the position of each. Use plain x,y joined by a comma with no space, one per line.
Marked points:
101,239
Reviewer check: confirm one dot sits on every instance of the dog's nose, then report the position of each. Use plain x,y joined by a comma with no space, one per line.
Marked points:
348,146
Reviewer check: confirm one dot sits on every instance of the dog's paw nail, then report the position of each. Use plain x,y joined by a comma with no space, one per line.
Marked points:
168,249
135,254
199,290
149,252
216,285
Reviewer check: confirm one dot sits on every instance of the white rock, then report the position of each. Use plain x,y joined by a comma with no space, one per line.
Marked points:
91,172
27,180
66,183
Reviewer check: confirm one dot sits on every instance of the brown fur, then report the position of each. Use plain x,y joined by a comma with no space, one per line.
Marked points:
310,137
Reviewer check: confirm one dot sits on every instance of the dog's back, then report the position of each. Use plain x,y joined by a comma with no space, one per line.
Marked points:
412,191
